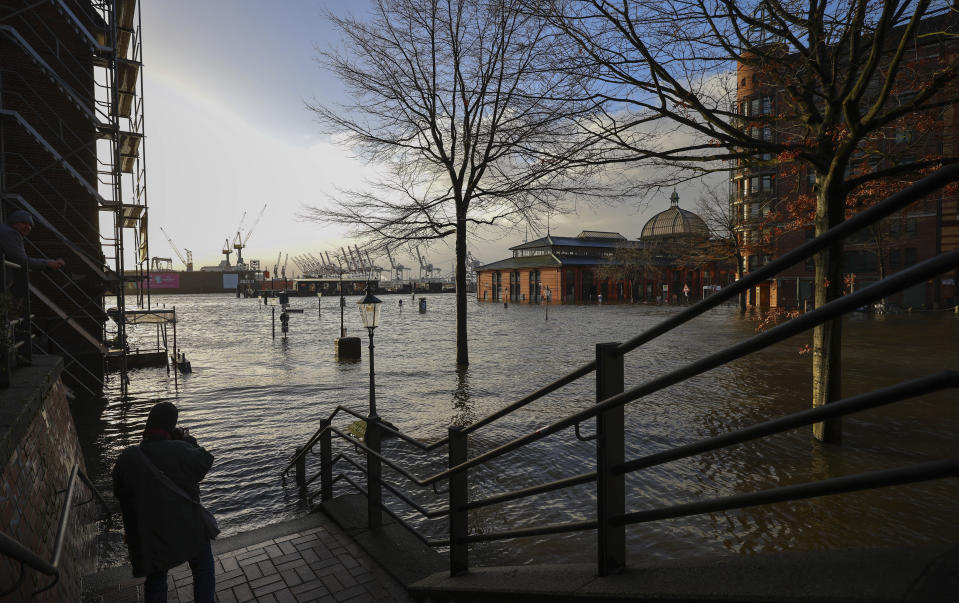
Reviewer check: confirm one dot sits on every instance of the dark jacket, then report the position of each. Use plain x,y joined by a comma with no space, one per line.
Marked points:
162,529
11,246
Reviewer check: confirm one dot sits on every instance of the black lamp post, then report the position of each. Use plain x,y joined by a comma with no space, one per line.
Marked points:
370,313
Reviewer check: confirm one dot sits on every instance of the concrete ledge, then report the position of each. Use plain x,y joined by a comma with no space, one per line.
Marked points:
921,574
29,386
404,556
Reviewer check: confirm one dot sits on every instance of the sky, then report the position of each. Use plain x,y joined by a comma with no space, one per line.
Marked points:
226,84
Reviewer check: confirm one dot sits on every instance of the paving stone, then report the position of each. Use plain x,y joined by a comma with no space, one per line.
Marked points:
290,577
229,564
225,583
356,593
265,580
243,593
267,567
272,550
285,558
331,583
285,596
266,589
293,536
252,572
226,596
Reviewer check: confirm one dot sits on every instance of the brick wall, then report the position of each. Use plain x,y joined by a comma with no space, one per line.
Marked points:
38,448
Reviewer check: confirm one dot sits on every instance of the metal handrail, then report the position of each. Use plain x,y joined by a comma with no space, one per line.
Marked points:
830,311
839,485
14,549
867,295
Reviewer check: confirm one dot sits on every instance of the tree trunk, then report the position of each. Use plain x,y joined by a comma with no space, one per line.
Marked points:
462,345
827,337
740,269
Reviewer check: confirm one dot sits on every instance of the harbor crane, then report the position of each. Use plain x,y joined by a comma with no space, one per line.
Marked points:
276,266
396,268
188,261
286,260
227,250
239,241
425,268
374,269
347,261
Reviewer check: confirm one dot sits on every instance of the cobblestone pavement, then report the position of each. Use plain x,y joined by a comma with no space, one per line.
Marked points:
315,564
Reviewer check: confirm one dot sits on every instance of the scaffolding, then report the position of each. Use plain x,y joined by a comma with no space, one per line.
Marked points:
73,155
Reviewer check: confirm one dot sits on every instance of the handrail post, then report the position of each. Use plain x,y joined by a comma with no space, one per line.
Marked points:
301,469
610,489
26,355
326,460
459,497
374,472
6,344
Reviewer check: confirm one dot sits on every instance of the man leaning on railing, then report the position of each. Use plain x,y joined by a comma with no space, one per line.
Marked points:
14,305
12,234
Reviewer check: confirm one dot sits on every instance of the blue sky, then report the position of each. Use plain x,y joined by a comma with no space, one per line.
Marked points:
227,131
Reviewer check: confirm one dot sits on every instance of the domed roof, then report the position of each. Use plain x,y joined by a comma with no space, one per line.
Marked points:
674,221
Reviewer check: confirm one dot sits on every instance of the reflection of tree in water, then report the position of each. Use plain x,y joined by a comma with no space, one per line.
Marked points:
464,412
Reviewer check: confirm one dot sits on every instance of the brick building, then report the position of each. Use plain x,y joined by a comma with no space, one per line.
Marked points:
760,193
580,269
71,119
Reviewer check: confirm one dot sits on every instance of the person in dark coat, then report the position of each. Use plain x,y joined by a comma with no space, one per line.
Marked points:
12,234
164,529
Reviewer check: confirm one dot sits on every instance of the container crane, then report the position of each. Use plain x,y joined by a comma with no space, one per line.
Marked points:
188,261
426,269
396,268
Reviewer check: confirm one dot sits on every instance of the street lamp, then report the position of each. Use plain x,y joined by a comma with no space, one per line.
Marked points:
370,313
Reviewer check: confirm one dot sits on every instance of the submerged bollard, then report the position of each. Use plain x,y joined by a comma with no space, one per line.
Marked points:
274,322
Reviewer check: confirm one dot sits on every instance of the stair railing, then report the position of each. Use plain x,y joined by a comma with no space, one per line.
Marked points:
14,549
611,398
15,319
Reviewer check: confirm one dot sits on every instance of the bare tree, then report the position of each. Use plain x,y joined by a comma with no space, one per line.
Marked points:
843,73
458,102
726,241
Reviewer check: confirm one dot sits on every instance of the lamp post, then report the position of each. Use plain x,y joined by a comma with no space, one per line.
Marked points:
370,313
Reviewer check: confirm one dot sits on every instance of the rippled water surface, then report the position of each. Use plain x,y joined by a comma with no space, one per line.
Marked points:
252,399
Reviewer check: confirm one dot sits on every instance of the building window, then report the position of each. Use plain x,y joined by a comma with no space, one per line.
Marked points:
909,256
912,225
895,259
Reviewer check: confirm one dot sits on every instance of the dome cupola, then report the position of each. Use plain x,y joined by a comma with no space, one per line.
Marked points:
674,221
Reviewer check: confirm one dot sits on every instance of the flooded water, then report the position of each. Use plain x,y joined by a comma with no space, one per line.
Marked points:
252,399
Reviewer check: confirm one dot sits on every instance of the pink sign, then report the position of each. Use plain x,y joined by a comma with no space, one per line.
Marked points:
165,280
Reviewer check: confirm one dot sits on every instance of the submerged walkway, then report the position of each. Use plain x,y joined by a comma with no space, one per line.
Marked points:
307,559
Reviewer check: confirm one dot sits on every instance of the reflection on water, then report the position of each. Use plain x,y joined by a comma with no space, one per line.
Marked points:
251,399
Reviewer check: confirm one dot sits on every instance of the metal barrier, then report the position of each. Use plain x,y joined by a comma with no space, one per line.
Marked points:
611,398
15,319
14,549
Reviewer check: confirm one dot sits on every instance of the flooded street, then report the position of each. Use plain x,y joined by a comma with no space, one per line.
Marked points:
251,400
